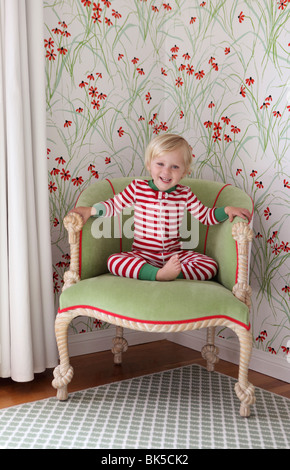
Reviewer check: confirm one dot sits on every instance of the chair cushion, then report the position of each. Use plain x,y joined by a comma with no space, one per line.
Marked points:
186,301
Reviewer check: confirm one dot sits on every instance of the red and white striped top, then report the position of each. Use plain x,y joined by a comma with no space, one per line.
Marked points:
158,215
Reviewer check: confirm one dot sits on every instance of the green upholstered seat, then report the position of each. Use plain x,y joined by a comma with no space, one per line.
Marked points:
156,302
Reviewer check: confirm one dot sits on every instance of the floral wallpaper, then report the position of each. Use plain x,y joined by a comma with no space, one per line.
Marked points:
121,71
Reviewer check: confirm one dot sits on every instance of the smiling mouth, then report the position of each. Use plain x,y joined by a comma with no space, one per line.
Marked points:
165,180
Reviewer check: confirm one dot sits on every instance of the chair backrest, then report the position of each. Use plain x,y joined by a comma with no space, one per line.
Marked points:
102,237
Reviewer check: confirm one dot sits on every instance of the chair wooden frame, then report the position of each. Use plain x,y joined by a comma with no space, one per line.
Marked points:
63,373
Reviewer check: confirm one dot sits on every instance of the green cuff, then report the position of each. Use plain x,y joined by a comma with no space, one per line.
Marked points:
220,214
101,210
148,273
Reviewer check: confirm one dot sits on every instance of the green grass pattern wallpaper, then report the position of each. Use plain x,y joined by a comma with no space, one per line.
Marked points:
120,72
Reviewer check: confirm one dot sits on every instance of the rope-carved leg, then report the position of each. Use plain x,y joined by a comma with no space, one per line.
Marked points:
244,389
120,345
63,373
210,352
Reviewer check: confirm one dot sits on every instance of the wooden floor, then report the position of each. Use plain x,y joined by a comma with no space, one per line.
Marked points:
96,369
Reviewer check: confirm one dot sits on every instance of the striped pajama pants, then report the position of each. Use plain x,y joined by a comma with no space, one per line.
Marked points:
194,266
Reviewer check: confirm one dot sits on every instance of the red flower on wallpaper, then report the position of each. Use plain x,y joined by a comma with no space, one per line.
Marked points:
148,97
284,247
267,213
83,84
116,14
97,8
250,81
140,71
120,131
163,72
254,172
227,138
107,3
96,104
276,249
186,56
62,50
211,104
227,50
167,6
265,105
67,123
235,129
86,3
217,126
107,160
163,126
52,187
189,69
277,113
50,55
79,110
181,114
286,184
55,171
135,60
178,82
174,48
192,20
65,175
207,124
57,31
199,75
243,91
241,17
49,43
239,170
108,21
60,160
77,181
226,119
259,184
102,96
95,173
154,8
96,17
63,24
286,289
215,66
216,136
282,4
93,91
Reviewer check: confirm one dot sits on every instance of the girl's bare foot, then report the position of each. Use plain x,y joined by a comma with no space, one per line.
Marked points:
170,270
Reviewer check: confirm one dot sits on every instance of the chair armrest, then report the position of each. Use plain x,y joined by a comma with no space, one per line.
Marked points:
73,223
243,235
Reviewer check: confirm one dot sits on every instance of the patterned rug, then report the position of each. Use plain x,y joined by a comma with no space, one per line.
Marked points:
183,408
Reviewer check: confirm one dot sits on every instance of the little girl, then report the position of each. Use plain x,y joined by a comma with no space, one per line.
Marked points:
159,205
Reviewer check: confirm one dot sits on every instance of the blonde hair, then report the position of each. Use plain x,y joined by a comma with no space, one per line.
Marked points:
168,143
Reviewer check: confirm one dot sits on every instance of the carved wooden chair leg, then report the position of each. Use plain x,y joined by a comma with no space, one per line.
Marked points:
63,373
120,345
210,352
244,389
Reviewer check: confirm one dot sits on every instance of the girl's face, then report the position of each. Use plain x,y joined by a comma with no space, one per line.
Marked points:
168,169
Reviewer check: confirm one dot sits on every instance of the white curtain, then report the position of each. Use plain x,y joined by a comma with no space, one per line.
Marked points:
27,343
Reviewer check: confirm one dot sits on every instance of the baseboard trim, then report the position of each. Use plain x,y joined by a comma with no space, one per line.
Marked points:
261,361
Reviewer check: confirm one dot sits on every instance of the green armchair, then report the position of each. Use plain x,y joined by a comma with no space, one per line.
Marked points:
90,290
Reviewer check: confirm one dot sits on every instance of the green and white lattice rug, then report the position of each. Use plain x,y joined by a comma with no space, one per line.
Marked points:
183,408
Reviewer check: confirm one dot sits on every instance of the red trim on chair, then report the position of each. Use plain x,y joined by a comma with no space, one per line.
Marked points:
120,228
207,229
153,322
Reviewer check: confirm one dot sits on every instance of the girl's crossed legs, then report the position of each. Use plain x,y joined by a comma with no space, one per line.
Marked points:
163,267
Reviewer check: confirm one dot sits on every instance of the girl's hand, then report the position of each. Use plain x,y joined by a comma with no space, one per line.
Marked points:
84,212
237,212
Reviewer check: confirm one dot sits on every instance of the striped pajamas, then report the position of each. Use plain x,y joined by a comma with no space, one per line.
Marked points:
157,219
